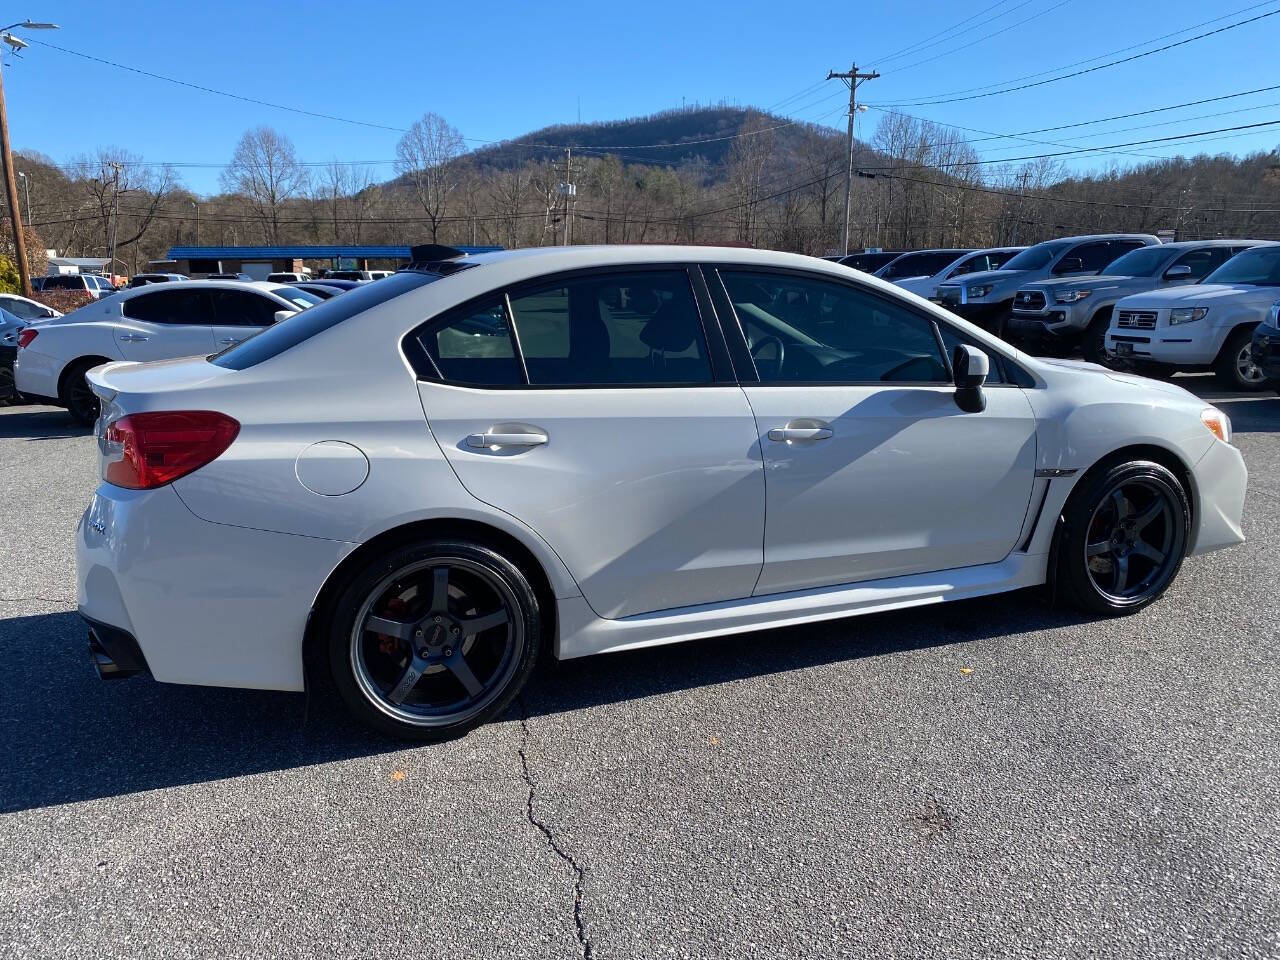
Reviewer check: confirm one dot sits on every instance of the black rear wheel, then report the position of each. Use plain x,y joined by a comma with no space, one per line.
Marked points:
1125,533
434,639
81,402
1235,366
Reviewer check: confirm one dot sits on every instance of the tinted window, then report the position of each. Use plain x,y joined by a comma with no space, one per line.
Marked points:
923,264
239,308
809,330
1259,266
473,346
997,260
1202,262
973,264
281,336
167,305
1143,262
1091,256
613,329
1037,257
64,283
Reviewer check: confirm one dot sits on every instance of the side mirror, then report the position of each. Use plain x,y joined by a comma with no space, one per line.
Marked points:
1180,272
970,367
283,315
1069,265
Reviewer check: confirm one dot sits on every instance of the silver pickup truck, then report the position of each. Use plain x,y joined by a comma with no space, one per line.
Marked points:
986,298
1057,315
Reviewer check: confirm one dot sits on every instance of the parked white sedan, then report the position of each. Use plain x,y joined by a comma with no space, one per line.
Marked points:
152,322
429,482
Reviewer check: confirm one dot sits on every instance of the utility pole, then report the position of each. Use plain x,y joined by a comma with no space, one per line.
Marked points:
196,204
26,188
852,78
115,214
11,188
568,191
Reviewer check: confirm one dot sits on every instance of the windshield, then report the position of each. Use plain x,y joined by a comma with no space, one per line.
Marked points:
1143,262
923,264
300,297
1259,267
1037,257
286,334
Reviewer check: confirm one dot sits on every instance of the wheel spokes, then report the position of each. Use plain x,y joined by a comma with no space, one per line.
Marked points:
1099,549
1121,574
1146,516
392,628
487,622
408,680
1144,549
458,666
440,589
1123,509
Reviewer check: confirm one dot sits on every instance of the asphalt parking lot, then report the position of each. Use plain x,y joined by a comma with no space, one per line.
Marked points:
992,778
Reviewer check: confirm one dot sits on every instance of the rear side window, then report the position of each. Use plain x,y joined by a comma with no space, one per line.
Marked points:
474,346
612,329
280,337
170,306
239,308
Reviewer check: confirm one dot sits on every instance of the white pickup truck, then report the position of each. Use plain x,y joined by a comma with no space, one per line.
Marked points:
1206,325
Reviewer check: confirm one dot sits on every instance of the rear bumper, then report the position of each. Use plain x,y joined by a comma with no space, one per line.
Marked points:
36,374
114,653
202,602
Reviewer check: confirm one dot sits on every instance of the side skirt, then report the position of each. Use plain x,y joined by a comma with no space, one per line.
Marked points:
582,633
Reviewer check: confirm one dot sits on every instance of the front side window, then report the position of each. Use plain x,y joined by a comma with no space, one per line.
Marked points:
1202,262
1086,258
1258,266
612,329
923,264
169,306
1037,257
802,329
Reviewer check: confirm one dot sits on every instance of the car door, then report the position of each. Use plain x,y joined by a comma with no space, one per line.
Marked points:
871,469
592,408
160,324
239,314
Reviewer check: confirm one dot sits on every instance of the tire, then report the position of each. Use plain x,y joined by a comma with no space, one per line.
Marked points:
422,676
81,402
1235,367
1094,343
1113,525
8,391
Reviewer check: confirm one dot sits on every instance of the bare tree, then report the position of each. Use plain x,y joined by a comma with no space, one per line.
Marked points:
265,171
425,156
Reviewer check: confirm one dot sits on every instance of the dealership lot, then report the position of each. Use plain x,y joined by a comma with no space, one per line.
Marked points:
994,778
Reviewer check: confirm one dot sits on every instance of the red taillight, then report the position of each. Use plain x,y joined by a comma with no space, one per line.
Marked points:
26,336
158,448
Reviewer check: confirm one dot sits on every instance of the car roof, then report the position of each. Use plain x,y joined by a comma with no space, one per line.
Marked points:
1217,242
269,287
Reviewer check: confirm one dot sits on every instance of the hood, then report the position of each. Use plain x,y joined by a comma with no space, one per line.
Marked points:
984,276
1202,293
1083,368
1095,282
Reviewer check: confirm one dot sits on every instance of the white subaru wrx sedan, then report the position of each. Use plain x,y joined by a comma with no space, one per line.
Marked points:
429,482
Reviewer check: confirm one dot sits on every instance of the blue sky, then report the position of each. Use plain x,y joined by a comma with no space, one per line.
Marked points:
497,70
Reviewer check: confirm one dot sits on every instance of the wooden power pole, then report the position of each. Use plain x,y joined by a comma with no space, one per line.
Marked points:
11,191
852,78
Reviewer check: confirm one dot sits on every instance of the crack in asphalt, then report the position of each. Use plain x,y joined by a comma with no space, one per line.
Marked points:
579,872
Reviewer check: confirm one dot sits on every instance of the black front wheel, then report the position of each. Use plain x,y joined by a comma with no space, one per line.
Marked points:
434,639
1124,535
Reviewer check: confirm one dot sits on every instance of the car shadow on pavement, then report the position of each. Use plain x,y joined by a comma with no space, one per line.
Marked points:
1259,413
38,423
66,736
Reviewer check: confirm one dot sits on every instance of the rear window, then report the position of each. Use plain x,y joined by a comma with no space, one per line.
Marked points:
303,326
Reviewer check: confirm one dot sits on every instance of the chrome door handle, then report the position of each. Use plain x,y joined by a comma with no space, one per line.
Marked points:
133,337
492,440
801,430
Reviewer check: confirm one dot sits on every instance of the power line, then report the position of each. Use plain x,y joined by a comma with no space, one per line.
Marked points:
982,39
1079,73
919,44
1109,53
